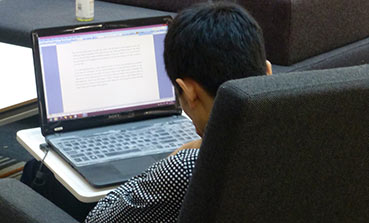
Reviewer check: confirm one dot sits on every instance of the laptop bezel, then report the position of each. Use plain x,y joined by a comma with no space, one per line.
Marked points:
60,126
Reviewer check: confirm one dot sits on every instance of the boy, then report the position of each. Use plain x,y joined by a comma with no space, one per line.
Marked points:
206,45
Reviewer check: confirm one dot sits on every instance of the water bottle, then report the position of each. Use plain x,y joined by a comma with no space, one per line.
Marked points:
85,10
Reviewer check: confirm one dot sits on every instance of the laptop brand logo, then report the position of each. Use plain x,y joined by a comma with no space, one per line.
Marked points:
115,116
120,116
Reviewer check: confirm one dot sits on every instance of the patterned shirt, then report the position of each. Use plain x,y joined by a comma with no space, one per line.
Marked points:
156,195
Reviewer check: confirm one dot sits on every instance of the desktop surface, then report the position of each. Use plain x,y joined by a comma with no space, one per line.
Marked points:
31,139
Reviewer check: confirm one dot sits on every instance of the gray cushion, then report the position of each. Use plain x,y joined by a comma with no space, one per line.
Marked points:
350,55
294,30
172,6
19,18
298,29
285,148
19,203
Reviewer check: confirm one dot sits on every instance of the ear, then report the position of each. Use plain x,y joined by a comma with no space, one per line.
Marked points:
268,68
188,90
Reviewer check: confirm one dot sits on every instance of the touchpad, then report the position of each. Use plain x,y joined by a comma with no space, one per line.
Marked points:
134,166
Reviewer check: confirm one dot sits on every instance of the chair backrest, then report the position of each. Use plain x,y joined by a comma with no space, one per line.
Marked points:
285,148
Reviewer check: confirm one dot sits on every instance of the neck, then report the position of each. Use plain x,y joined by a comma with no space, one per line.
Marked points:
207,102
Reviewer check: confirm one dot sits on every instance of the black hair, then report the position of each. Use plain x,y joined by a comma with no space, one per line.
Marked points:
214,42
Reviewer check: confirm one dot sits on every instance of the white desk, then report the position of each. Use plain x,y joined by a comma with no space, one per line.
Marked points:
64,173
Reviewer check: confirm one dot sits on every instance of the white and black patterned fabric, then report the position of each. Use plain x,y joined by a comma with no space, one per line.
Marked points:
154,196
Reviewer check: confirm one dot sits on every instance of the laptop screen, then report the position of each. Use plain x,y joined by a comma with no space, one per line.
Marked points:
104,72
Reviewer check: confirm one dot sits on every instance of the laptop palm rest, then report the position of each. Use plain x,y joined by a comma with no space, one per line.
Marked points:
116,172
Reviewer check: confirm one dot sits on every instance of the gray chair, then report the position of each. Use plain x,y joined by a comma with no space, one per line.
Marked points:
284,148
300,34
20,204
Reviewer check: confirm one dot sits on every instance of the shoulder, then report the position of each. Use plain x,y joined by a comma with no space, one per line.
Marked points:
185,158
186,155
182,163
182,158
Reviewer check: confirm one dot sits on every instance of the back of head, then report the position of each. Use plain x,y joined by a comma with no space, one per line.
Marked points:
212,43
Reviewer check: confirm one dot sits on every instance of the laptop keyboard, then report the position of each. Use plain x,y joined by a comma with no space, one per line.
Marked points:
143,140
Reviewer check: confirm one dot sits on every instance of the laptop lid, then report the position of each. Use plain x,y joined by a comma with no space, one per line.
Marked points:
101,74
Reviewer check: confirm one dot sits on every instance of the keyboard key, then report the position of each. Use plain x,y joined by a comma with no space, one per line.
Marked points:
77,155
168,141
122,152
71,152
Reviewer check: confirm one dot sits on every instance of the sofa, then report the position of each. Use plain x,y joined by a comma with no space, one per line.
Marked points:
17,202
291,147
299,34
285,148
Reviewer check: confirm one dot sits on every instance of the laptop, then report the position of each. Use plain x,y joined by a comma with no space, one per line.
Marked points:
106,104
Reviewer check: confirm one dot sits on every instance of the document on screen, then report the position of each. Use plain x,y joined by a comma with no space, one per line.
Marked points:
108,72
